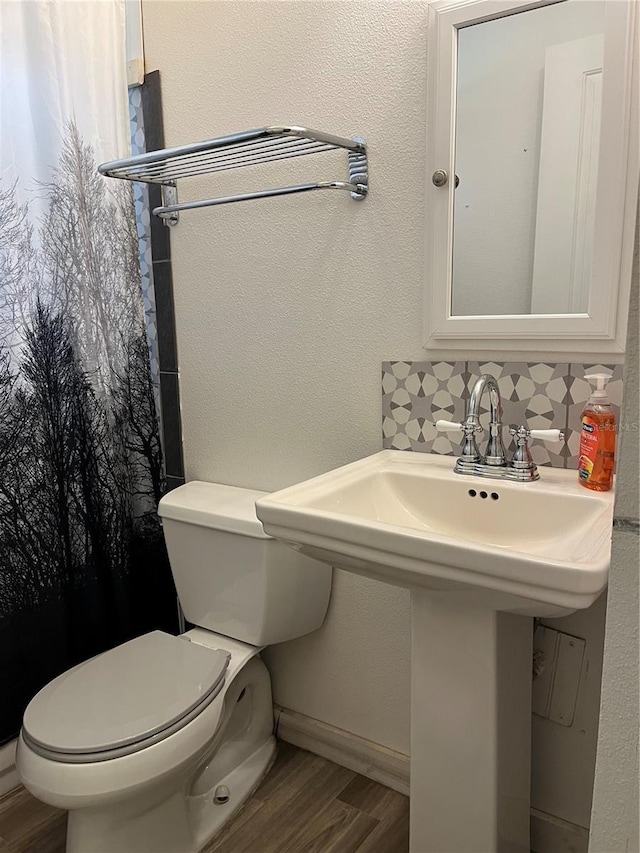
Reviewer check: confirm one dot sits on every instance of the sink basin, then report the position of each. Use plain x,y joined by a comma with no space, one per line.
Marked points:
538,549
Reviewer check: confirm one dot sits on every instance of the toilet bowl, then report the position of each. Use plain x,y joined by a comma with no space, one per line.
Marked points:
152,746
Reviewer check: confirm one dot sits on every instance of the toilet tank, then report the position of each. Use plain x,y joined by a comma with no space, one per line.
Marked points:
230,576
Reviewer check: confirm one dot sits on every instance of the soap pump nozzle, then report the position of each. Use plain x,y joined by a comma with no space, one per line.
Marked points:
601,379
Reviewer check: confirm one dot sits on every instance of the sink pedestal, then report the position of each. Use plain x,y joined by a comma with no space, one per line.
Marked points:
470,726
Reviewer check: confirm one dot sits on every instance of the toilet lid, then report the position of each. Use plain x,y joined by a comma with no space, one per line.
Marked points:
129,695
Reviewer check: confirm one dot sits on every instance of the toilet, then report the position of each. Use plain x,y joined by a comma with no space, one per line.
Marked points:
153,745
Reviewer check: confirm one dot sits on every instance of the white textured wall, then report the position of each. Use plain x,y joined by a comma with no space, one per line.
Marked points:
614,820
286,307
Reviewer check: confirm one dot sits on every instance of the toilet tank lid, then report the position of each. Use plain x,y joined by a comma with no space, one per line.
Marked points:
215,505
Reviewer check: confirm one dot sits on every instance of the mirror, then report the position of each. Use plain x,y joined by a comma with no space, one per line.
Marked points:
531,230
528,97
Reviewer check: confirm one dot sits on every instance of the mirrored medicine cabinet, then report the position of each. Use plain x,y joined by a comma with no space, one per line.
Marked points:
532,174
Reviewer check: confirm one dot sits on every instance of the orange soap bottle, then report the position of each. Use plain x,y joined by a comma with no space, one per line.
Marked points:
597,438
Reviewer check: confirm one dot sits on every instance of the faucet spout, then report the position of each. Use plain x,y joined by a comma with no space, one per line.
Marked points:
495,453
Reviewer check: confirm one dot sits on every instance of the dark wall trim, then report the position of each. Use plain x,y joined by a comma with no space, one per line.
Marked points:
629,525
163,286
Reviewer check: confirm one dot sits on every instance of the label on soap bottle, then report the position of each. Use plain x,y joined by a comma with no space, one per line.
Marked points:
588,448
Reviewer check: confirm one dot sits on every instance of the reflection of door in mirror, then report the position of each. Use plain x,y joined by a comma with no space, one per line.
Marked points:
568,176
522,216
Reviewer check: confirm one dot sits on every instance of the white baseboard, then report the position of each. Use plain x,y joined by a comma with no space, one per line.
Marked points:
549,834
8,775
365,757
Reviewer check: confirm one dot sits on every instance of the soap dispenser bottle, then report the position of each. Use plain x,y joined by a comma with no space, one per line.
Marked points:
597,438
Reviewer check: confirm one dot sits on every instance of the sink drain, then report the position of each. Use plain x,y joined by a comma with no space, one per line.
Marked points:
222,795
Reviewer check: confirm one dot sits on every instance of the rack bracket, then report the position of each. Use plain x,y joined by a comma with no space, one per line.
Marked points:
358,171
169,198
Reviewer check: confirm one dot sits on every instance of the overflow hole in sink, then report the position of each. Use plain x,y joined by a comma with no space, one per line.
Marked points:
472,493
483,495
495,496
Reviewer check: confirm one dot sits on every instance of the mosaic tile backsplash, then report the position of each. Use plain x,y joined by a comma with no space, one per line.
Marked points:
415,394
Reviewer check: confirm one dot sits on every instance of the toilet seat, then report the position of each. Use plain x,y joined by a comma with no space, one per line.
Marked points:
124,700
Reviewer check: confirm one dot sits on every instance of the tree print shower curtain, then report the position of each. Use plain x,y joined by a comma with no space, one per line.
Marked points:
82,559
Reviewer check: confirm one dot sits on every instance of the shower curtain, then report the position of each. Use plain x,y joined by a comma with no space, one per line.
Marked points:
82,559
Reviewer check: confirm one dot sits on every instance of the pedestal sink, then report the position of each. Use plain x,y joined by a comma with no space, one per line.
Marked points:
481,558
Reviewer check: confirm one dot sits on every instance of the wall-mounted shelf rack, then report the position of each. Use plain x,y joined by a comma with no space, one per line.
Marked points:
250,148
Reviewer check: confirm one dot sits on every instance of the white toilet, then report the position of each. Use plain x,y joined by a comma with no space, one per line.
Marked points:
153,745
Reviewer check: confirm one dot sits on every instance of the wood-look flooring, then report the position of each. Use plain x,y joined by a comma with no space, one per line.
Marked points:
305,804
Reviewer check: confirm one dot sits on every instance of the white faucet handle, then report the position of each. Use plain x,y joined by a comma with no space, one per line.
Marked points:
547,434
448,426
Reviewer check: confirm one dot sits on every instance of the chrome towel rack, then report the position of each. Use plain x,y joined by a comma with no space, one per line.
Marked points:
249,148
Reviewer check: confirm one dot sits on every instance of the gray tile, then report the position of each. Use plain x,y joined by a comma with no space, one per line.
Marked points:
171,424
151,97
628,525
414,396
533,396
165,318
151,101
174,482
540,395
160,233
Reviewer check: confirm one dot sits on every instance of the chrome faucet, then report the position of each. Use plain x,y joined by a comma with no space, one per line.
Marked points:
494,463
495,455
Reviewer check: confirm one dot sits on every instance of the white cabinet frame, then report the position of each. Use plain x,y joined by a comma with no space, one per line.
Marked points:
134,42
603,328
